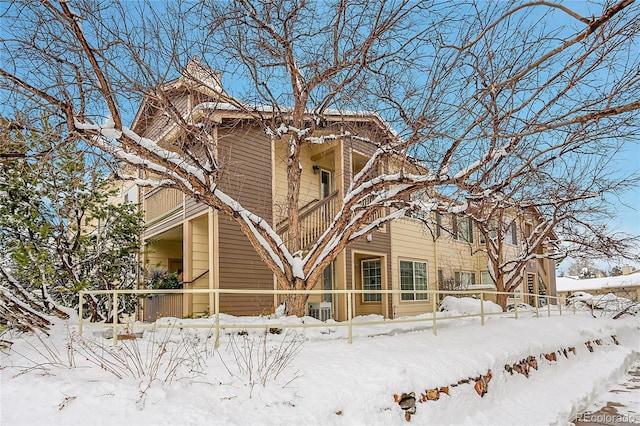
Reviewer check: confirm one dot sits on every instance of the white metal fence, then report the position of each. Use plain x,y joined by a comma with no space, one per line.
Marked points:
434,319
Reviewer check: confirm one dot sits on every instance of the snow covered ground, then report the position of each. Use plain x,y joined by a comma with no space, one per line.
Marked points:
315,377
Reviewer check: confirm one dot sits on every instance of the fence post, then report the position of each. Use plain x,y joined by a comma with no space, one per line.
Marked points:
216,307
434,313
548,307
115,318
81,295
559,303
481,308
515,307
349,315
537,301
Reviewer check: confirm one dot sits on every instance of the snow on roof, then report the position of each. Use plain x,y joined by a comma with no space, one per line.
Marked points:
574,284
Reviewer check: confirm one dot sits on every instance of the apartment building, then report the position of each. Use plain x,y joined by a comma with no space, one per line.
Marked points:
210,251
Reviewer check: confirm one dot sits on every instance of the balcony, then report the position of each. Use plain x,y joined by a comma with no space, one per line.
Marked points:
314,219
160,201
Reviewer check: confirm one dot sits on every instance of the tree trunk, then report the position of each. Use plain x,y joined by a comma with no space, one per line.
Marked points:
501,299
296,304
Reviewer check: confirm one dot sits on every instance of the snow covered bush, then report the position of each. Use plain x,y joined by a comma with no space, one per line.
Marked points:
604,302
467,305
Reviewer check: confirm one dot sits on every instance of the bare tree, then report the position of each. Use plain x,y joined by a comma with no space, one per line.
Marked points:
550,218
480,96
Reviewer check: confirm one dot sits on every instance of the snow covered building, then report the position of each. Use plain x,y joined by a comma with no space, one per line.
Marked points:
626,285
210,251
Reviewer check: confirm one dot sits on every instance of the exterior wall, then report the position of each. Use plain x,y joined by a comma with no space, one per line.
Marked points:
254,173
161,252
200,264
321,156
241,268
380,245
155,122
411,241
456,256
193,208
247,177
246,168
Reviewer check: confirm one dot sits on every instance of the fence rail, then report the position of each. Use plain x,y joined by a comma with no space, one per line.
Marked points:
217,326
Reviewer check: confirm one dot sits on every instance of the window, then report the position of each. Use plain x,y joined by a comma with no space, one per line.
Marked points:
465,279
492,232
528,230
413,276
131,196
462,229
485,278
438,224
326,183
371,279
512,234
327,282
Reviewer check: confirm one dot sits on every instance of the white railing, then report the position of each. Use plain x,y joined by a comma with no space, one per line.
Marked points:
217,326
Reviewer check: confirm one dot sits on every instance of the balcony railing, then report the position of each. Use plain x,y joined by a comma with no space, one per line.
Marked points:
314,220
160,201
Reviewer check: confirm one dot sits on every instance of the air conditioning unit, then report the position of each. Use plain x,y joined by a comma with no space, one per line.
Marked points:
320,310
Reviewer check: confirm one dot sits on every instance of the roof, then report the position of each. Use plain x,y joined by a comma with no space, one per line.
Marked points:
574,284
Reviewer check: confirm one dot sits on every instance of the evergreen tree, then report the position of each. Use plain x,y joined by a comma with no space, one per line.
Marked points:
58,231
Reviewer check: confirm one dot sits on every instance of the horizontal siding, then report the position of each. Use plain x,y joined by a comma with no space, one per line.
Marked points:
245,154
246,176
241,268
411,241
309,182
157,122
164,225
193,208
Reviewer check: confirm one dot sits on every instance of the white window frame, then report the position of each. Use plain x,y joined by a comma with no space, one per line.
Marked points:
422,292
463,222
512,234
331,183
460,281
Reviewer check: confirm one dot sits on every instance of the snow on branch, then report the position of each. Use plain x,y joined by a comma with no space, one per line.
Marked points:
152,183
107,132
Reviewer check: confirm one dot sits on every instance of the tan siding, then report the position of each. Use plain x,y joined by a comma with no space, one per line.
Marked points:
200,264
165,224
411,241
161,251
455,256
161,201
309,182
157,121
193,208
